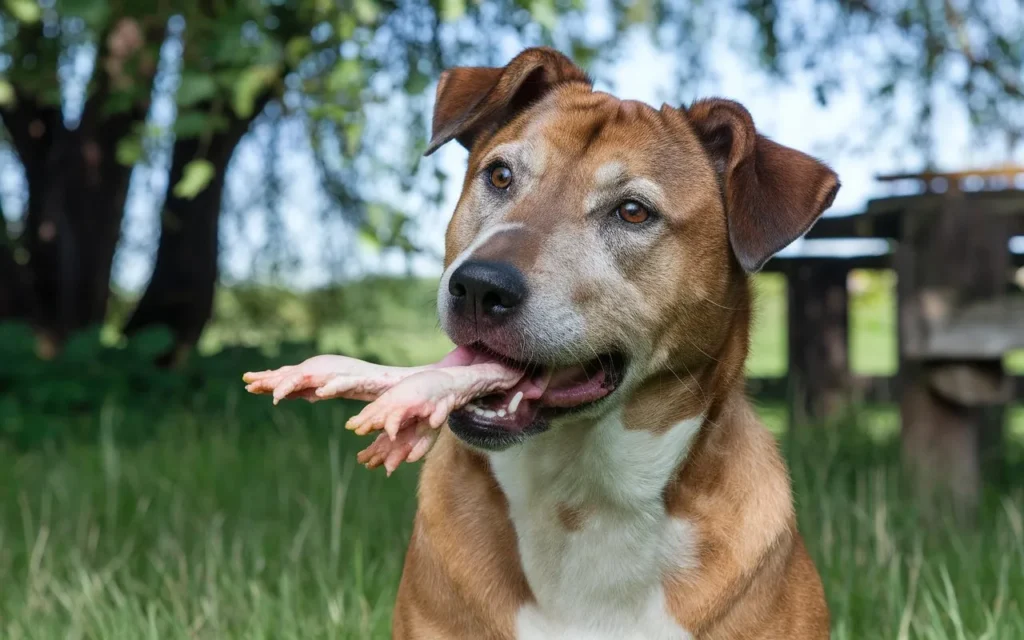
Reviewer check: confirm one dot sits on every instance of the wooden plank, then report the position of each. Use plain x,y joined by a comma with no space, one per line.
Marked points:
886,226
818,331
1010,173
983,330
791,265
865,389
1008,202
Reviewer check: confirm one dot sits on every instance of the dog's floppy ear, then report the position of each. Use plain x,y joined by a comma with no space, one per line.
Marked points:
471,100
773,194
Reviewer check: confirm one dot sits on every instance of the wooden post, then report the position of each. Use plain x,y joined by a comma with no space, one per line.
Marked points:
818,328
948,259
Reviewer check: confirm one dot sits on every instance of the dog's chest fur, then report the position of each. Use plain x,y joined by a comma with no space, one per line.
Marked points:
599,576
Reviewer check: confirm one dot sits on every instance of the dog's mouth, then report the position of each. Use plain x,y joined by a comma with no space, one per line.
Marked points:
545,392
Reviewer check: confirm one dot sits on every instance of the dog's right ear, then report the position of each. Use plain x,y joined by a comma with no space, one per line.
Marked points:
474,100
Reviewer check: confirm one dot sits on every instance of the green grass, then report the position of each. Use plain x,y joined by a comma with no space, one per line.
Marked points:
228,532
184,509
201,535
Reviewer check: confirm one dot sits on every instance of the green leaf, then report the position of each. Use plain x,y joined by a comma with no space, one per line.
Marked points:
583,55
346,26
368,237
95,13
129,151
329,111
366,11
376,215
452,10
195,177
353,137
190,124
195,88
297,49
639,12
82,346
150,343
249,85
117,102
346,74
26,11
416,83
7,96
543,12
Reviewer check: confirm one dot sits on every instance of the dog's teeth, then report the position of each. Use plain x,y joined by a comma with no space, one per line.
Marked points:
478,411
501,413
472,407
490,414
512,406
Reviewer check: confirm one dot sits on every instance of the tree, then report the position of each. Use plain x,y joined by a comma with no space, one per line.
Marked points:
82,79
79,135
905,53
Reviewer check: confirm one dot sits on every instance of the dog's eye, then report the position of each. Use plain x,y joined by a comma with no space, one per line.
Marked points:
501,176
632,212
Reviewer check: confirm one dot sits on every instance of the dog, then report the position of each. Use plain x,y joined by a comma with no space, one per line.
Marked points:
602,235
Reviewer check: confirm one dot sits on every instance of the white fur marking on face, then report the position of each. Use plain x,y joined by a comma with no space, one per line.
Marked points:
603,580
609,185
645,186
608,174
528,154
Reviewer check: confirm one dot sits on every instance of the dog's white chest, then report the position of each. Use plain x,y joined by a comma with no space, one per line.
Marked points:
601,577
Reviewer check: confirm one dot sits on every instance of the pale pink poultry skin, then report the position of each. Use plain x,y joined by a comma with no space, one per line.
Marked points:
408,403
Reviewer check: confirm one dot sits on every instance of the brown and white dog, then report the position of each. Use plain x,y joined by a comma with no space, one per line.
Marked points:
605,233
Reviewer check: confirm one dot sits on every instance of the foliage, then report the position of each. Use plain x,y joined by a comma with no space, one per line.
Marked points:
329,65
905,55
57,400
254,328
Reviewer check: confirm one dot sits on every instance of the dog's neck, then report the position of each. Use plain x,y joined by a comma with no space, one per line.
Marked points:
602,464
587,502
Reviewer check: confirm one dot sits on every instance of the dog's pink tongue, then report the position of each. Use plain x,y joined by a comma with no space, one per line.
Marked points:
495,376
462,357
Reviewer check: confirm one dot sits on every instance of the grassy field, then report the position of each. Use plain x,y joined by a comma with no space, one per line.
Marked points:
235,520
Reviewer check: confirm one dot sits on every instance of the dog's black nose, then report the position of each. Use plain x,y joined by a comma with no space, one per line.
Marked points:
490,289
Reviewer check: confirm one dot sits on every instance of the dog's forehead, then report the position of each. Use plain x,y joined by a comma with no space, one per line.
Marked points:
601,133
593,125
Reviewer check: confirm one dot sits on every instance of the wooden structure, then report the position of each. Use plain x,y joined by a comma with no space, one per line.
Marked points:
958,315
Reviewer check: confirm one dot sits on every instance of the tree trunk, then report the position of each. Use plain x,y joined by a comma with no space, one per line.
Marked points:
13,286
76,202
76,195
180,292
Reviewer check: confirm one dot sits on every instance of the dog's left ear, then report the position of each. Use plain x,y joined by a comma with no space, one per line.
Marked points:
472,100
773,194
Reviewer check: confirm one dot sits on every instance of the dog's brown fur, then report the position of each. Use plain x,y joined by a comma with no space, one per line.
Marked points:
730,198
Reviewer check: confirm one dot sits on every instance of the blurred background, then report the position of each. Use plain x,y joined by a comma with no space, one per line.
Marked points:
193,189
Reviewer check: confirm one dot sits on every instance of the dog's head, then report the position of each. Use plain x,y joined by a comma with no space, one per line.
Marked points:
600,242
